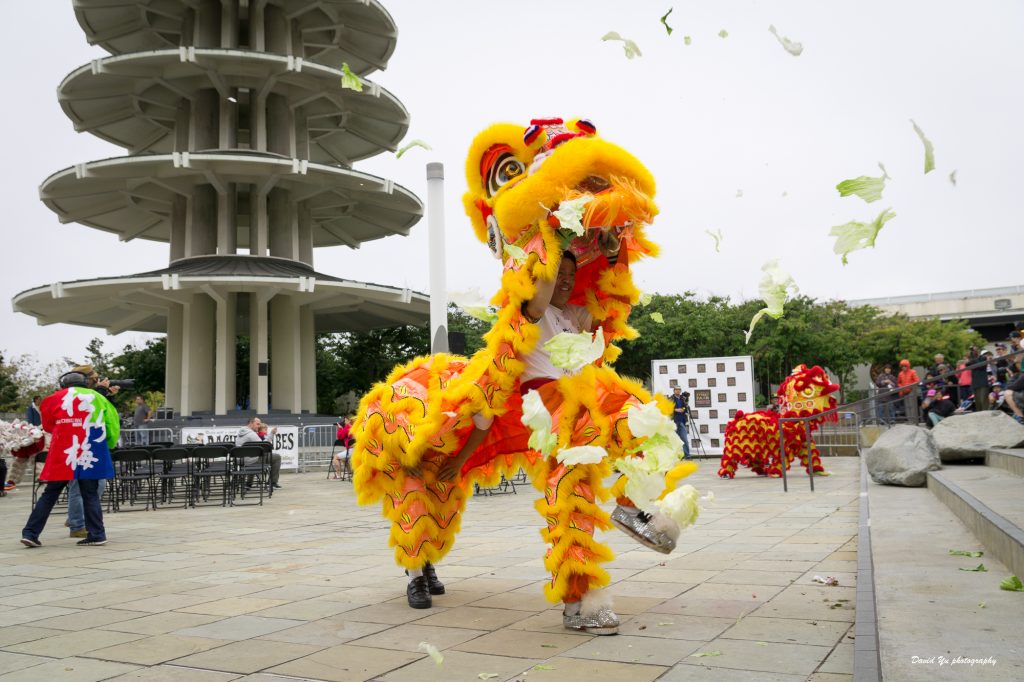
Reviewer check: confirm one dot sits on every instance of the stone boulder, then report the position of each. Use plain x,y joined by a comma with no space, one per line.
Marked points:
966,436
902,456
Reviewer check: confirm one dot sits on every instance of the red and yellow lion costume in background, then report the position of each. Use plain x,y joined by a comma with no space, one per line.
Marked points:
422,414
752,440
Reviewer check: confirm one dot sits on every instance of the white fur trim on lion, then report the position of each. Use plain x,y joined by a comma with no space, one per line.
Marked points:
595,601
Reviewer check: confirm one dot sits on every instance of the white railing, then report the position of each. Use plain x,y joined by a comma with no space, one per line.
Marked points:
316,444
131,438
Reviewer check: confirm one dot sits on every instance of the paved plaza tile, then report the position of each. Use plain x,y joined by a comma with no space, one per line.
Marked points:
305,587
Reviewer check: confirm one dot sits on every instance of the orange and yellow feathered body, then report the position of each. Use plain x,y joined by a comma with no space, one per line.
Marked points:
422,414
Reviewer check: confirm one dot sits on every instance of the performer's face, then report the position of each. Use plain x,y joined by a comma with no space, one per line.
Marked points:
564,282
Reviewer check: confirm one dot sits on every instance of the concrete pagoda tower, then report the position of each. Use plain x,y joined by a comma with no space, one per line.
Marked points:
240,146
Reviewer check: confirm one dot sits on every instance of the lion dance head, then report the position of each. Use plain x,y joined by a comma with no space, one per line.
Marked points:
807,392
524,184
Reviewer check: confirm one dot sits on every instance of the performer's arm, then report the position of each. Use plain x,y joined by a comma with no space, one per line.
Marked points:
449,471
535,308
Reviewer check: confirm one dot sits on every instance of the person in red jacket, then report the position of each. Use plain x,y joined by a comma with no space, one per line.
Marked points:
83,427
908,377
343,439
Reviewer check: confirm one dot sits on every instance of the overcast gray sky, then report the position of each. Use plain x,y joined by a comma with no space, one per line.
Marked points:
709,119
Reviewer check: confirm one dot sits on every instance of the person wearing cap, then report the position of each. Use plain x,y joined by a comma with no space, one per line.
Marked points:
83,427
937,406
1015,386
908,377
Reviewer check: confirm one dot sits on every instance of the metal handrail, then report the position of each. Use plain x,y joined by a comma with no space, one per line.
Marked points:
850,407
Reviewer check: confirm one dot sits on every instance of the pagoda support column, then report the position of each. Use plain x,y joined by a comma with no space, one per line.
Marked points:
307,351
172,372
259,352
285,344
198,338
304,220
224,361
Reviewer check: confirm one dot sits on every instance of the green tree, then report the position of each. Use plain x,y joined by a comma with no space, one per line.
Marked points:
95,356
146,365
355,361
10,398
473,328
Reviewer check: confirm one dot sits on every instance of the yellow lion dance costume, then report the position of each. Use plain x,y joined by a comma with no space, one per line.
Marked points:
410,424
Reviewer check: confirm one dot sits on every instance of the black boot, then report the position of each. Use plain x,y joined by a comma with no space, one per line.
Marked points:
417,593
433,584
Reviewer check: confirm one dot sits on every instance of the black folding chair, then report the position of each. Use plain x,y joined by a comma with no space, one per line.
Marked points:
133,479
250,472
174,474
346,463
210,471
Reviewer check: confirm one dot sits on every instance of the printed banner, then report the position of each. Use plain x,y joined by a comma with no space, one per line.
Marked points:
285,440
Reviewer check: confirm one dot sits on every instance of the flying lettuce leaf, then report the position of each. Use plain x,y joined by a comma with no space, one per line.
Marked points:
570,214
952,177
350,81
515,253
664,21
717,236
723,33
791,46
537,418
413,143
631,48
658,318
573,351
739,194
980,568
964,552
867,188
1012,584
581,454
776,286
471,302
645,299
431,651
687,40
856,235
929,150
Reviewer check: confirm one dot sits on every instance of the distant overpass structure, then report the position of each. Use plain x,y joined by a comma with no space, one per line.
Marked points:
991,312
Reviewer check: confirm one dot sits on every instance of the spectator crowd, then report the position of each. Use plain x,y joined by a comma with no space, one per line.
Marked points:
981,380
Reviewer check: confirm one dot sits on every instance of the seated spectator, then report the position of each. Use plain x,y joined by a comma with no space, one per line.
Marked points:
937,406
343,440
1014,395
254,432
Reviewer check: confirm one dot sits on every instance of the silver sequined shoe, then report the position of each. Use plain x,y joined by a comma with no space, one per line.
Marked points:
637,524
604,622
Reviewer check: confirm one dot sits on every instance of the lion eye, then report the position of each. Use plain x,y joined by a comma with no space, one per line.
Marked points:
506,169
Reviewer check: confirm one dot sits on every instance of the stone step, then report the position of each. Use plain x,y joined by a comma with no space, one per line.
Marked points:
926,606
1010,460
990,502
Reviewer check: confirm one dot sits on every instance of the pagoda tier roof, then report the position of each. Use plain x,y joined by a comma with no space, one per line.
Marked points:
141,302
133,100
360,33
133,196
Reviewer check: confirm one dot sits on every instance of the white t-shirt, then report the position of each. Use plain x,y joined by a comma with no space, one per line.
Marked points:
573,319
